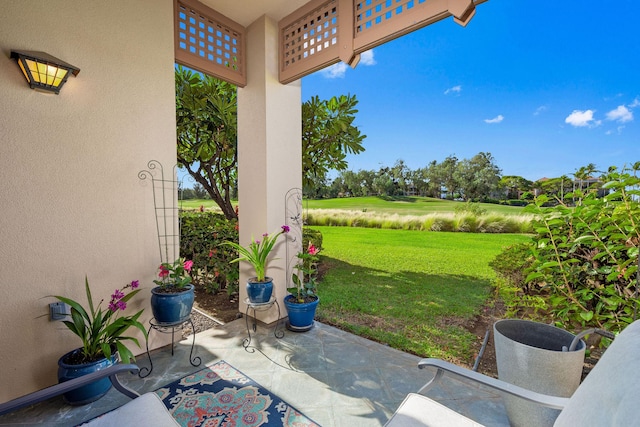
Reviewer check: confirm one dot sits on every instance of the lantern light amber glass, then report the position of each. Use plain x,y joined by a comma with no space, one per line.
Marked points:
43,71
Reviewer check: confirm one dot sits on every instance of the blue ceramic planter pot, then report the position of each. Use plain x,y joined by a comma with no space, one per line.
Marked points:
90,392
300,315
259,292
172,308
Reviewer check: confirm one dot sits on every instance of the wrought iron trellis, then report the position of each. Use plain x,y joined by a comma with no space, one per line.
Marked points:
293,218
165,205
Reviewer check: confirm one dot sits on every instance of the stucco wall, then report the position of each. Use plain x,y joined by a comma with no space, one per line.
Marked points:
71,203
269,153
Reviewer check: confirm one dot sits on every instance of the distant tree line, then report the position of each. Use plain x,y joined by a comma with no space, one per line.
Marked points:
468,179
475,179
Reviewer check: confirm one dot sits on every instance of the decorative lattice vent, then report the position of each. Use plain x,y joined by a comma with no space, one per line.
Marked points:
369,13
310,39
316,31
209,42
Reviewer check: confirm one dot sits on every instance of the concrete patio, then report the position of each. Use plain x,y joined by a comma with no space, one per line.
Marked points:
335,378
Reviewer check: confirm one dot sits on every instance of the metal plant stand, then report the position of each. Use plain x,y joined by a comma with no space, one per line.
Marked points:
166,328
264,306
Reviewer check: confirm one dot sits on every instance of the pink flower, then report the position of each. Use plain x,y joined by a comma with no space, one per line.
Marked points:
112,307
285,228
135,284
117,294
188,265
121,305
312,249
164,271
211,253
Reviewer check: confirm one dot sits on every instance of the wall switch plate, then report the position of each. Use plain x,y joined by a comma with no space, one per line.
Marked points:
59,311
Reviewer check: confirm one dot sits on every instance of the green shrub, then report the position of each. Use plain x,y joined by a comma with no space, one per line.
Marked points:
511,263
200,236
517,303
586,256
313,236
470,207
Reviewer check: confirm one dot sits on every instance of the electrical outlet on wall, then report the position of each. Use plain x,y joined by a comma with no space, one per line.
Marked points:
59,311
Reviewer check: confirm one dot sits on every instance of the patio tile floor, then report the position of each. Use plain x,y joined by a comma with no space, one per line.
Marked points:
335,378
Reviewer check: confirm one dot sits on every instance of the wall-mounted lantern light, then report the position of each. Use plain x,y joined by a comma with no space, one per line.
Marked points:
43,71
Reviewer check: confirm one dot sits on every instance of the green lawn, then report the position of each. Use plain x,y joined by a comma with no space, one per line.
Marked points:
408,289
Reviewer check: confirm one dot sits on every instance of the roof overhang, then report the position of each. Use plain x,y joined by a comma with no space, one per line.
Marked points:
246,12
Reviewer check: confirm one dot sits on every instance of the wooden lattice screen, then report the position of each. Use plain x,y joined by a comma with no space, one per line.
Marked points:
323,32
311,38
378,21
319,34
209,42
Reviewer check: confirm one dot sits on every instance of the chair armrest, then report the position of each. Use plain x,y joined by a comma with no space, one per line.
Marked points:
554,402
61,388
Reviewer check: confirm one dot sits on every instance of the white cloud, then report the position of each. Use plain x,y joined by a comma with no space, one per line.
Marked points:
540,109
339,70
621,115
617,131
635,103
336,71
582,119
496,119
367,58
455,90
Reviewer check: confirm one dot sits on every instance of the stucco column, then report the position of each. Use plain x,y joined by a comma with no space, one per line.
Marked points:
269,153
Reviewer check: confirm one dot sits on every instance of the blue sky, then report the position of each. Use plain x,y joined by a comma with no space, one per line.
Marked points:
546,87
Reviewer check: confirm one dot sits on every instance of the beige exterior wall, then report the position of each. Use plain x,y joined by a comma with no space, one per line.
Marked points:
71,202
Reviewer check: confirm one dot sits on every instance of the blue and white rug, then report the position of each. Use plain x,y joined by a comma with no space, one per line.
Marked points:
222,396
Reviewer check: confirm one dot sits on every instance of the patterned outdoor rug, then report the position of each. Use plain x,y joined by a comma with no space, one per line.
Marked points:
220,395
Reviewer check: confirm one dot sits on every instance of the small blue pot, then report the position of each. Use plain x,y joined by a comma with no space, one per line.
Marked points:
90,392
172,308
300,315
259,292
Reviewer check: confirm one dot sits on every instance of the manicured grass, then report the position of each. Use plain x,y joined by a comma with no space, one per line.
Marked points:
408,289
196,203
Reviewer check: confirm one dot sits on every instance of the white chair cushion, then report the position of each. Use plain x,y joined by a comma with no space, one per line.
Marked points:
419,411
146,410
609,394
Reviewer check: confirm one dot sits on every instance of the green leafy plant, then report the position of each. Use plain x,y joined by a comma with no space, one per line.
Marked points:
174,275
586,256
257,253
201,234
470,208
305,276
102,330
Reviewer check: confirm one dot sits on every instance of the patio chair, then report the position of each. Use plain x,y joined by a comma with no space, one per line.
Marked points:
145,410
607,397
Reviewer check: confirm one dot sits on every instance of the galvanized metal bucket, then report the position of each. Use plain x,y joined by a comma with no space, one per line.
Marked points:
530,355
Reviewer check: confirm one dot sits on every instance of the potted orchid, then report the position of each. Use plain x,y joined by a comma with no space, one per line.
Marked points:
102,331
259,287
302,303
172,300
